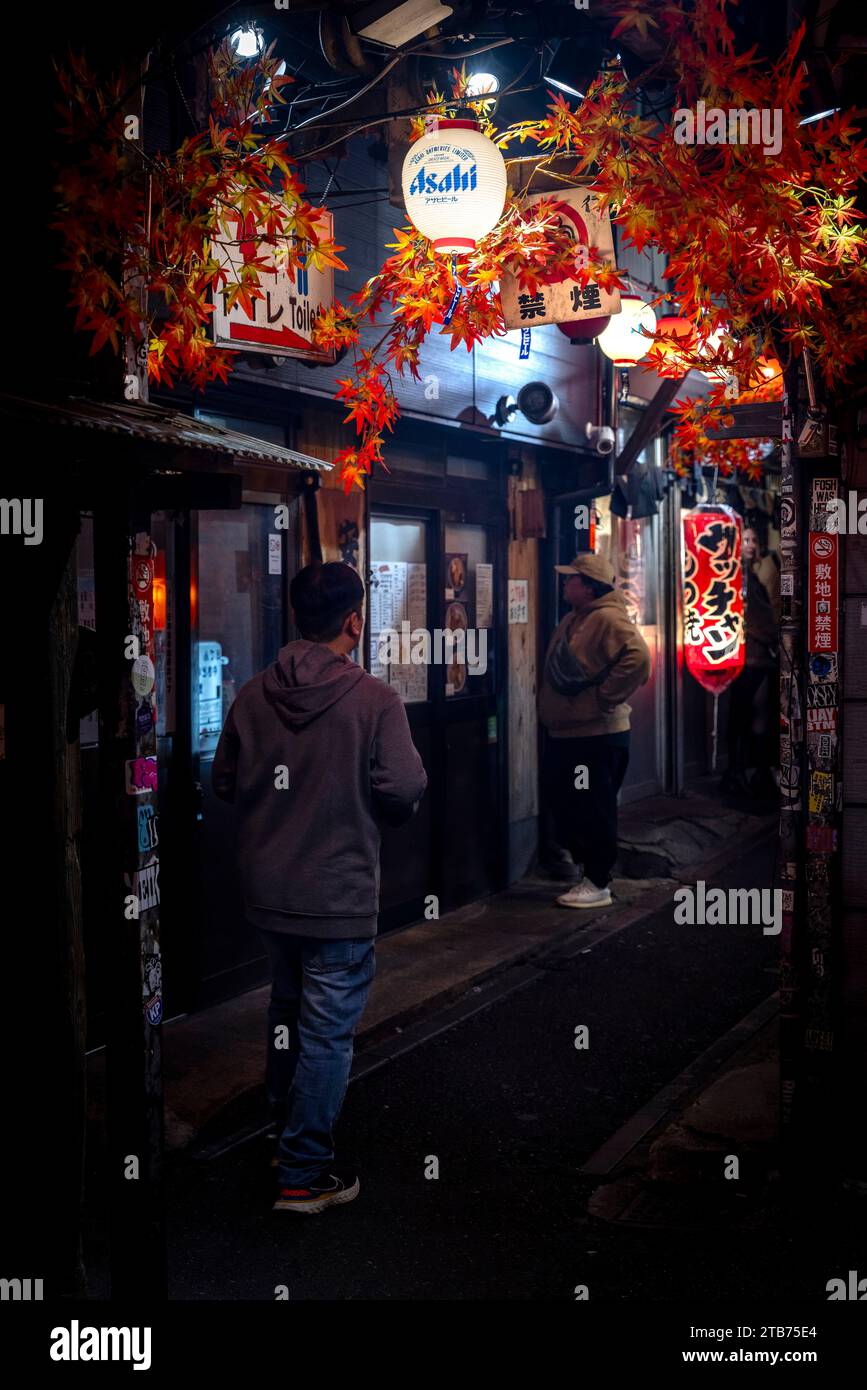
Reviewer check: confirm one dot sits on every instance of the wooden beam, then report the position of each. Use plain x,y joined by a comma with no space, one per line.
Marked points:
754,420
649,426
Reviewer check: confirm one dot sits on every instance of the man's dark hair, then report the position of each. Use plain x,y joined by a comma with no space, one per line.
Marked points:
323,596
596,587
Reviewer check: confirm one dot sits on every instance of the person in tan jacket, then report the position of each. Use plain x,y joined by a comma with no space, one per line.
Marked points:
595,660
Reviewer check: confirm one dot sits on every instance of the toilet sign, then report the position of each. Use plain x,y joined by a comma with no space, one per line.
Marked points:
281,323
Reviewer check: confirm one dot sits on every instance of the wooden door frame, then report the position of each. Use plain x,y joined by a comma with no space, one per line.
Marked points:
443,502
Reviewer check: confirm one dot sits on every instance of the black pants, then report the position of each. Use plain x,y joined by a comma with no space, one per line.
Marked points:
586,816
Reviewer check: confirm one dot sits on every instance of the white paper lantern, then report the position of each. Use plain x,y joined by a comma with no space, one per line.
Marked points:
454,185
623,341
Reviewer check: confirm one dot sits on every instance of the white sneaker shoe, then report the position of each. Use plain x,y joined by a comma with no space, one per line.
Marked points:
585,894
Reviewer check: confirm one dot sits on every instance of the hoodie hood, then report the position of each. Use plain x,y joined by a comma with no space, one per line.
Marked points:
613,600
307,679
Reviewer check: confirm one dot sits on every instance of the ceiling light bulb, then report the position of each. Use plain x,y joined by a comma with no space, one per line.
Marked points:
482,84
247,42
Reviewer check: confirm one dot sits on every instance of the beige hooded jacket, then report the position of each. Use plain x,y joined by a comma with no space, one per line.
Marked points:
601,658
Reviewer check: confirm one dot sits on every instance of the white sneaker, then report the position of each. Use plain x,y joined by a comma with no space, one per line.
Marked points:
585,894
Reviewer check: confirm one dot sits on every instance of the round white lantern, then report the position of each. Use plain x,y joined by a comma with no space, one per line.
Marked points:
623,341
454,185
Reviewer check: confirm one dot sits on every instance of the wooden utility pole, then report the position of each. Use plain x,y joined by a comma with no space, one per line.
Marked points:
810,705
124,564
790,858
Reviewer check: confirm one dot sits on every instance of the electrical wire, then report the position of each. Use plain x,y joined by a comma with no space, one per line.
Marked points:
308,155
342,193
426,52
397,57
352,99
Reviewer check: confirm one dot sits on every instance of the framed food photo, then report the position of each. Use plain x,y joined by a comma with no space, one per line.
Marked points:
457,621
457,572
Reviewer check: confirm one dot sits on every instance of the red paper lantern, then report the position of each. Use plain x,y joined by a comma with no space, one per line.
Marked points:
584,330
673,326
713,596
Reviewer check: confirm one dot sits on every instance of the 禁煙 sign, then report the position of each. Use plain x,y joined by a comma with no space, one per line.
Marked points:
566,300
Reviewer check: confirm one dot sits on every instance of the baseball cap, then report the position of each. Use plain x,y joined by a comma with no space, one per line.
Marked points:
593,566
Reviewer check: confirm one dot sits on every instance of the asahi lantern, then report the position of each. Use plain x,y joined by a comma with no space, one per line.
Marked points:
713,596
454,185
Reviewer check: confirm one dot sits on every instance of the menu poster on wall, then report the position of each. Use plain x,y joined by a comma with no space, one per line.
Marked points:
409,681
484,596
385,578
398,594
457,576
416,595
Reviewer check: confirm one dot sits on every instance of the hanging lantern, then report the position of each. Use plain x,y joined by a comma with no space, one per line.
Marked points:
709,348
769,377
769,368
713,597
672,326
765,382
584,330
623,341
454,185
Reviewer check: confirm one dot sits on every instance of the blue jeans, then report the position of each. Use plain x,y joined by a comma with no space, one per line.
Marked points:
318,993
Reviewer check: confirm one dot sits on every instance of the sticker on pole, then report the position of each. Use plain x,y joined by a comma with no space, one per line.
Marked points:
823,593
140,776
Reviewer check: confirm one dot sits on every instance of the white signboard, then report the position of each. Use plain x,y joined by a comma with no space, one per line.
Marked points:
484,595
281,323
519,600
398,595
567,300
275,553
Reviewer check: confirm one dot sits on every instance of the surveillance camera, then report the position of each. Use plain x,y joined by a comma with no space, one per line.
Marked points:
601,437
537,402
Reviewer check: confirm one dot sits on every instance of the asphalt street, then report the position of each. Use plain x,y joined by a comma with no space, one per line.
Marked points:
510,1109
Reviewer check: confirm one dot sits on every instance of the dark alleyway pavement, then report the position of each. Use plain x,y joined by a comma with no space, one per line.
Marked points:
424,968
511,1109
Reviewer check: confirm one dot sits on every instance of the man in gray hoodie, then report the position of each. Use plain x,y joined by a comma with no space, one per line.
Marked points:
315,754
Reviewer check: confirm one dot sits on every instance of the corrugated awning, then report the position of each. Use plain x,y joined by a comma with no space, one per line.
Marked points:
154,424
